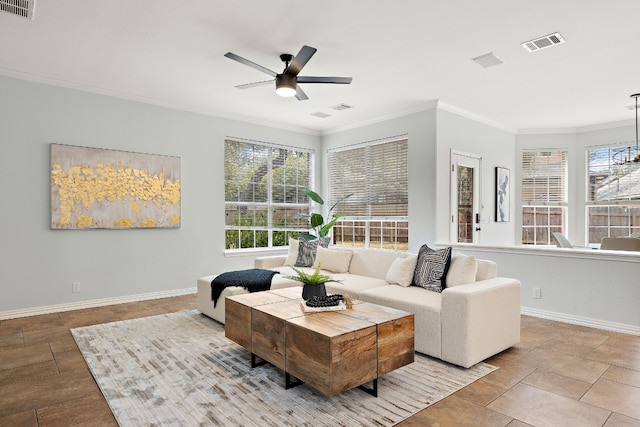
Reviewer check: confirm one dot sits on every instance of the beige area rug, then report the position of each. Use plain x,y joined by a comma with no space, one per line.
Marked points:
178,369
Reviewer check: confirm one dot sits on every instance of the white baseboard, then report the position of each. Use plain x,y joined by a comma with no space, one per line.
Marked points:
582,321
93,303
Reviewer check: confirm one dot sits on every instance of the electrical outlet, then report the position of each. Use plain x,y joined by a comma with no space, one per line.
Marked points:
537,293
75,287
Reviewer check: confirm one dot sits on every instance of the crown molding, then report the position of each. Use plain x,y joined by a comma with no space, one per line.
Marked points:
475,117
34,78
429,105
579,129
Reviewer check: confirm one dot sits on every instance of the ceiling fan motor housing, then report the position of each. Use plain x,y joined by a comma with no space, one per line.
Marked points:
286,84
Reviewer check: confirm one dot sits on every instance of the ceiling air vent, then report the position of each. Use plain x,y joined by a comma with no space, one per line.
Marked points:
487,60
543,42
23,8
341,107
321,115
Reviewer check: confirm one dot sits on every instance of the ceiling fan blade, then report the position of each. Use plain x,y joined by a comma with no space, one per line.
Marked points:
336,80
250,63
300,60
254,84
300,95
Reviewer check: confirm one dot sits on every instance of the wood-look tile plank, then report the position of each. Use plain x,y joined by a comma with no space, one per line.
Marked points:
11,336
21,373
623,375
565,364
480,392
617,420
541,408
557,384
41,336
19,419
509,374
36,392
453,411
73,412
613,396
21,356
618,354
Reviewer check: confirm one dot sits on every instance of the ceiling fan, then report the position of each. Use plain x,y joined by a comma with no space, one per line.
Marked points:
287,81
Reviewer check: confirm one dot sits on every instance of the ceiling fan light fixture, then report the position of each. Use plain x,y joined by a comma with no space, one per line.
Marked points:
286,85
629,154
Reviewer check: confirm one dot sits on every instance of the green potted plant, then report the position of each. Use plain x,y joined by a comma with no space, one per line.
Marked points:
316,221
312,284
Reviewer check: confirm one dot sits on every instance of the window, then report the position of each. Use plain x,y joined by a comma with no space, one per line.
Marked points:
544,195
613,199
263,189
376,174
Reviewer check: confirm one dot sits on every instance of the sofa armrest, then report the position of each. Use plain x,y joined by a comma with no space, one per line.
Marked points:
269,261
479,320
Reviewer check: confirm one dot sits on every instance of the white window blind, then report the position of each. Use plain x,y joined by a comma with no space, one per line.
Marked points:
544,178
377,176
544,195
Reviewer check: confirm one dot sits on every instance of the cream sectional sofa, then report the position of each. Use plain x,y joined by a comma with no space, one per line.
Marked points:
463,325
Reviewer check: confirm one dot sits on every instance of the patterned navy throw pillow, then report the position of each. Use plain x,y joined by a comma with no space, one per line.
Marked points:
307,251
431,268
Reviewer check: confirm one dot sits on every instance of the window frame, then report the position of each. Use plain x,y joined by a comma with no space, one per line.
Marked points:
267,205
366,229
544,210
628,206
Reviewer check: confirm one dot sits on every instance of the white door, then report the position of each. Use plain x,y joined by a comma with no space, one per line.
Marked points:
465,197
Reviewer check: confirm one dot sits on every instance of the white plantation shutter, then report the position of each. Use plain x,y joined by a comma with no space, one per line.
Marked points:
544,178
376,173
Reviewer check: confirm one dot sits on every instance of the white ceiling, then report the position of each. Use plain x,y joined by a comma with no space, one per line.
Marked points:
403,56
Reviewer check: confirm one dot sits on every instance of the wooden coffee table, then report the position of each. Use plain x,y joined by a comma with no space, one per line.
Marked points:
332,351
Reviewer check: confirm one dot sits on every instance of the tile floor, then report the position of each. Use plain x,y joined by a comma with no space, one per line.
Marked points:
559,375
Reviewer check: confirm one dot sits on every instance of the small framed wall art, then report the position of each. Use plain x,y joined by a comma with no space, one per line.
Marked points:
503,190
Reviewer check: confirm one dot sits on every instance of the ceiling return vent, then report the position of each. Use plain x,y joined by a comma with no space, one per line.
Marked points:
487,60
321,115
23,8
543,42
341,107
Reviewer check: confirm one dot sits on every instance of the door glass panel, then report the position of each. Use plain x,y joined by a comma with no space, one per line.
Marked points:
465,204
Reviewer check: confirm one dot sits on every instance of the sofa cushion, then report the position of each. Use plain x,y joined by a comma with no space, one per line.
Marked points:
373,262
431,268
292,255
354,284
486,270
333,260
462,269
401,271
307,251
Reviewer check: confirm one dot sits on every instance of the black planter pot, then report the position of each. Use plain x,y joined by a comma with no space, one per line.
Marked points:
309,291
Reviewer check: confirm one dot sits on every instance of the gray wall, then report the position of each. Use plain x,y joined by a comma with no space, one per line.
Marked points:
586,287
496,148
38,264
420,129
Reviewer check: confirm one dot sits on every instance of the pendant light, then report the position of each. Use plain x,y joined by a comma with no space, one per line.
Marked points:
635,158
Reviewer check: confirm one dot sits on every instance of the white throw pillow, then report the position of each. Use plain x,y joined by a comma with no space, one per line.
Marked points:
334,260
401,270
462,269
292,256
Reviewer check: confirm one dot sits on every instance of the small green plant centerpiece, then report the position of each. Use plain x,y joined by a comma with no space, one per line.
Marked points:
316,221
312,283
